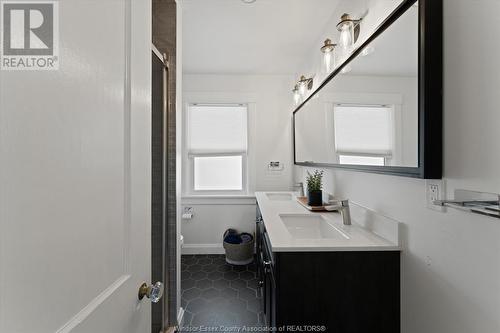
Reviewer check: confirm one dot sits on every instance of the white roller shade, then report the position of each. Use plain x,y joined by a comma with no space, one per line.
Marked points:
364,129
216,128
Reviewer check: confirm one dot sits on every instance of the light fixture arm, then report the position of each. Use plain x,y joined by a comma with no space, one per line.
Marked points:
347,18
355,28
307,81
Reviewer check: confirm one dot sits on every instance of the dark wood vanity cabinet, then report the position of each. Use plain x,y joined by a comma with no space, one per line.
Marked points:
343,291
266,274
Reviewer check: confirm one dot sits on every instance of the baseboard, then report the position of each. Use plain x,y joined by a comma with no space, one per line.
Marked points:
202,249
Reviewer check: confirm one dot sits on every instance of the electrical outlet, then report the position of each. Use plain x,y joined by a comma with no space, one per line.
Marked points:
434,190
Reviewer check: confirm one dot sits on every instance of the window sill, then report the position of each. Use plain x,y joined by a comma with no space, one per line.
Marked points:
218,199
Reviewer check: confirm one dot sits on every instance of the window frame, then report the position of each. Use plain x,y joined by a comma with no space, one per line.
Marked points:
394,113
189,157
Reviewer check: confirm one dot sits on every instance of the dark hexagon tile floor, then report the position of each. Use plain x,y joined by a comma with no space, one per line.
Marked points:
216,294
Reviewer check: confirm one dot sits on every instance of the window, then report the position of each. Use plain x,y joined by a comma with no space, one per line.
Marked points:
364,134
217,147
218,173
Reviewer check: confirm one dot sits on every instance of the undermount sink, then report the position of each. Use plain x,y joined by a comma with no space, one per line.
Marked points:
279,196
305,226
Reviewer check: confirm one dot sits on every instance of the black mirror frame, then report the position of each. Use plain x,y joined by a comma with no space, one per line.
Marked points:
430,94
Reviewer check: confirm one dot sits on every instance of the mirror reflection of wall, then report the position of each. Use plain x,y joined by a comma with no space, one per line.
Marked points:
367,115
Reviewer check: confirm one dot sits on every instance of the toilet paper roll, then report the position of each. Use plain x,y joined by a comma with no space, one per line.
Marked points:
187,216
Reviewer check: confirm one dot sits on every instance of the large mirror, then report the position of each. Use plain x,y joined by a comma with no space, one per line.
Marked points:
378,112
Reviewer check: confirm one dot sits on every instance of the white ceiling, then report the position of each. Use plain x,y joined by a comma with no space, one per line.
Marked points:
265,37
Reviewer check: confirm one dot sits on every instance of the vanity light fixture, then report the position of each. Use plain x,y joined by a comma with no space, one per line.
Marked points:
328,50
304,84
349,32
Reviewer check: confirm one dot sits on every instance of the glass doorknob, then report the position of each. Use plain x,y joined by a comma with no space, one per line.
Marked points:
153,292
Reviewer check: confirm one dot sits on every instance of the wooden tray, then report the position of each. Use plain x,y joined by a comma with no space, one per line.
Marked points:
303,202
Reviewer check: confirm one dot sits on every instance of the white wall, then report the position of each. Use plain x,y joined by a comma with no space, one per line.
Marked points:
450,261
269,140
212,216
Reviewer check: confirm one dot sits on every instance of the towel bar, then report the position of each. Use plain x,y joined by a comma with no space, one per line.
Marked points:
474,202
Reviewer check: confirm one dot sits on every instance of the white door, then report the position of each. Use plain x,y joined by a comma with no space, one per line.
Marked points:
75,177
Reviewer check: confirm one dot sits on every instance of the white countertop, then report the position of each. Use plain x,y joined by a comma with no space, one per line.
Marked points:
359,238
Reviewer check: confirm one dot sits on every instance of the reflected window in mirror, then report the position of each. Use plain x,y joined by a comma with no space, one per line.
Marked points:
364,134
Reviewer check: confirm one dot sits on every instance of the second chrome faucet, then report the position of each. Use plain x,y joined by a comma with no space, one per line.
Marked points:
342,206
345,211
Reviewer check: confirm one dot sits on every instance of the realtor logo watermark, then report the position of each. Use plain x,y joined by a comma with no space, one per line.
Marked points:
29,35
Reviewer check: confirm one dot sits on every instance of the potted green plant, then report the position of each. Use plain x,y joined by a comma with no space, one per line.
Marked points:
314,186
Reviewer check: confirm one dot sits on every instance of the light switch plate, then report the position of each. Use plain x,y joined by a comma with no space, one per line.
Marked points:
275,166
435,190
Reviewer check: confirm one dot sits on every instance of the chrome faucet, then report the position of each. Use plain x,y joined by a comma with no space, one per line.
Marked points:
345,211
300,188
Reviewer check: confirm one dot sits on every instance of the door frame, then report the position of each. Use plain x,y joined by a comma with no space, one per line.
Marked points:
166,264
